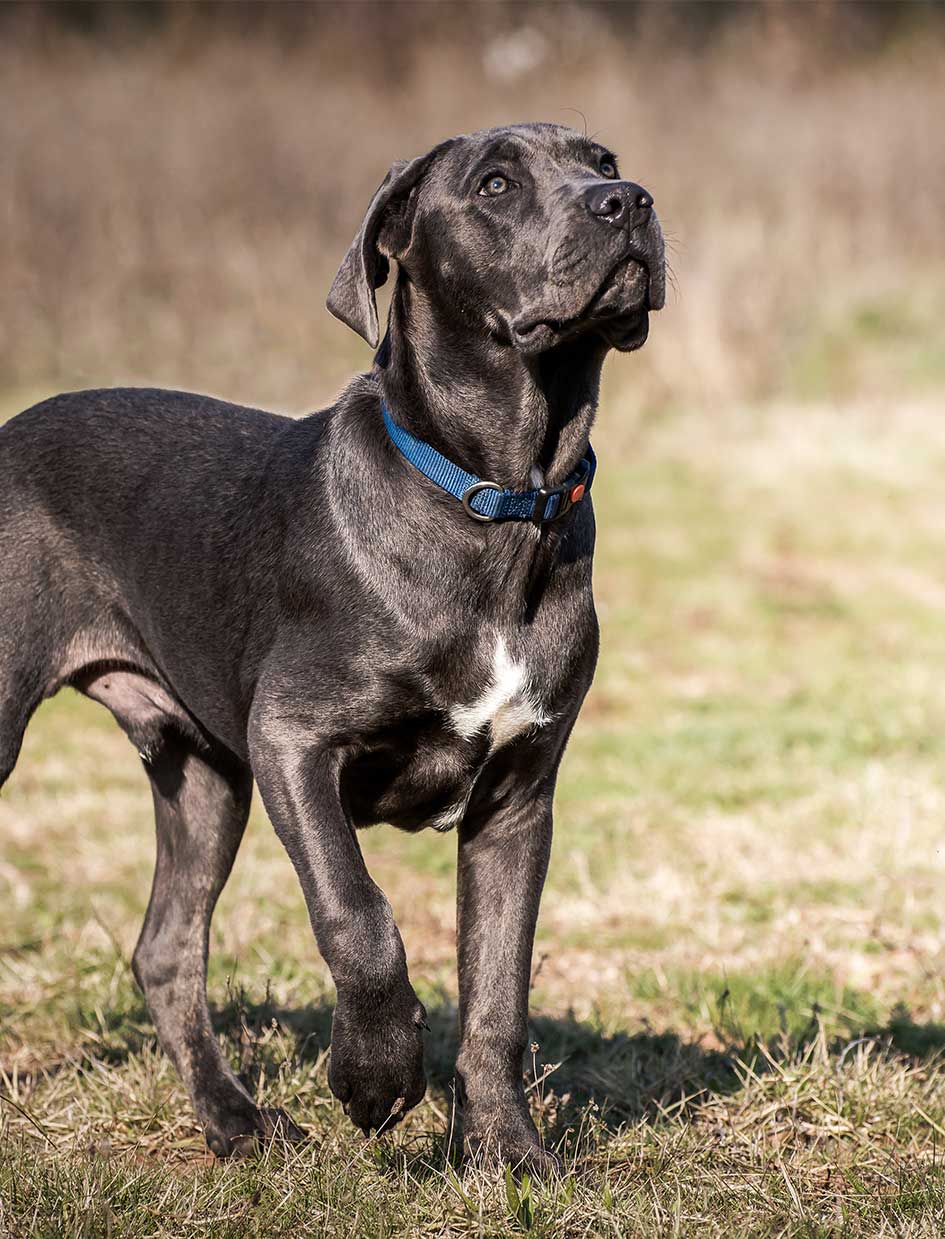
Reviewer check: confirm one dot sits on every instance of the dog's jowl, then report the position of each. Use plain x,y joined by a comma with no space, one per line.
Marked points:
381,612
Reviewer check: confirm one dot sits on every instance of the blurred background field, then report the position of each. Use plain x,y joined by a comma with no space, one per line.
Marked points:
738,1000
179,183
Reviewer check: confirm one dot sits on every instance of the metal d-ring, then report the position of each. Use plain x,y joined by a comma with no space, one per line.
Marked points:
467,500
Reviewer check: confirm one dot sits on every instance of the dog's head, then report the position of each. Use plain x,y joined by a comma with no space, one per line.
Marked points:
528,233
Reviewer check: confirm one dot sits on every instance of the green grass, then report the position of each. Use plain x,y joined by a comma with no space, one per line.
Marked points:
738,1003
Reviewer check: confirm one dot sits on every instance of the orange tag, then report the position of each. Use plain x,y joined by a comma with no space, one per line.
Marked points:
577,494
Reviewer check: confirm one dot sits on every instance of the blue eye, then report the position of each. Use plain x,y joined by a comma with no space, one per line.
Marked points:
492,186
609,170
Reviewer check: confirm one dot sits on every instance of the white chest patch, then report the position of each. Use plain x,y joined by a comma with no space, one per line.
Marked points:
508,706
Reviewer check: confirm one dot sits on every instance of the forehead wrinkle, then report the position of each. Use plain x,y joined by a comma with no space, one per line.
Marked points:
509,146
557,143
583,149
536,158
561,135
569,149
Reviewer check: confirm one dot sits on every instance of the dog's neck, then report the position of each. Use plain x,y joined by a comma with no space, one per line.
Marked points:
518,421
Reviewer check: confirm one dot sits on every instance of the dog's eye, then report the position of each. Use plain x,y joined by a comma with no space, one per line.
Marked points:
608,169
493,185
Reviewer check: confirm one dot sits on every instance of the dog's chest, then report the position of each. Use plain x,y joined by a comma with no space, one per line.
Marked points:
478,697
508,704
503,705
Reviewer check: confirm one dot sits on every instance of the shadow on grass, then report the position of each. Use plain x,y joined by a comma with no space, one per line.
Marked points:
623,1077
906,1037
626,1076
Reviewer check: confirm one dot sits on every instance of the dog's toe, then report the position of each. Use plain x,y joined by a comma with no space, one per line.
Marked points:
245,1133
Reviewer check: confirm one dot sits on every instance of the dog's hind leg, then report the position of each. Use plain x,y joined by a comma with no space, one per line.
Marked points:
201,804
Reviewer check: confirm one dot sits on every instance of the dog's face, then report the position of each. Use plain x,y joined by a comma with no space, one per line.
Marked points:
528,233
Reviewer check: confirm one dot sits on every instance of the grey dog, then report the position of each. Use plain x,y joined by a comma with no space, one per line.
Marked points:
307,604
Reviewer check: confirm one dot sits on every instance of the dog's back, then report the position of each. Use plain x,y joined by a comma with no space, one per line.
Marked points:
96,463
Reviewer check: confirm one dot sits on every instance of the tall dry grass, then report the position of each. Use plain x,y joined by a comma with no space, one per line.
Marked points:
175,194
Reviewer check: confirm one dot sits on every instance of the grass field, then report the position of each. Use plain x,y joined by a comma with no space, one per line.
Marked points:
738,1005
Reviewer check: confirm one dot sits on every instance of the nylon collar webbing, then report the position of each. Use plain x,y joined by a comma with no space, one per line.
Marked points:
487,501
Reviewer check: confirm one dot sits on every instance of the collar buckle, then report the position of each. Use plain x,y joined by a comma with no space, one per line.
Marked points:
570,492
542,495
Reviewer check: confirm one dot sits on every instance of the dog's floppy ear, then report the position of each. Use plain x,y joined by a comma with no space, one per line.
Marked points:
366,266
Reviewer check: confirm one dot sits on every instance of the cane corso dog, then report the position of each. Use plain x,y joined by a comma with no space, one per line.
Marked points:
381,612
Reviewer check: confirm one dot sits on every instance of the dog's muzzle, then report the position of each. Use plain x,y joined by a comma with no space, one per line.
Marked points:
618,276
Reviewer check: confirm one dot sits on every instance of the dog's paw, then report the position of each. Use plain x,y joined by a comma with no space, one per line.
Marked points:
376,1068
509,1141
244,1131
534,1159
521,1157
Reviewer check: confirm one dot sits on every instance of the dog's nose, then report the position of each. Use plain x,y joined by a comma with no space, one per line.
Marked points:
619,202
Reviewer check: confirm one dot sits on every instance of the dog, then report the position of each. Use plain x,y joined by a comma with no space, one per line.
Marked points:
381,612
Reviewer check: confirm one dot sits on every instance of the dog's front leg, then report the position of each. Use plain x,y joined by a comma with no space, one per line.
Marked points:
376,1067
503,858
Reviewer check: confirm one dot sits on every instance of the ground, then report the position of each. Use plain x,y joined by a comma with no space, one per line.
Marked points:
738,1008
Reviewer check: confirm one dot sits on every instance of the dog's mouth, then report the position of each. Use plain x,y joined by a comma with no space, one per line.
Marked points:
618,311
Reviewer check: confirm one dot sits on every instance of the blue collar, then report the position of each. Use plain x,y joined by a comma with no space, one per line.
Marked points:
486,501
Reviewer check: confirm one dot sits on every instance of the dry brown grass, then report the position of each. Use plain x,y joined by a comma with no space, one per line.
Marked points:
739,998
